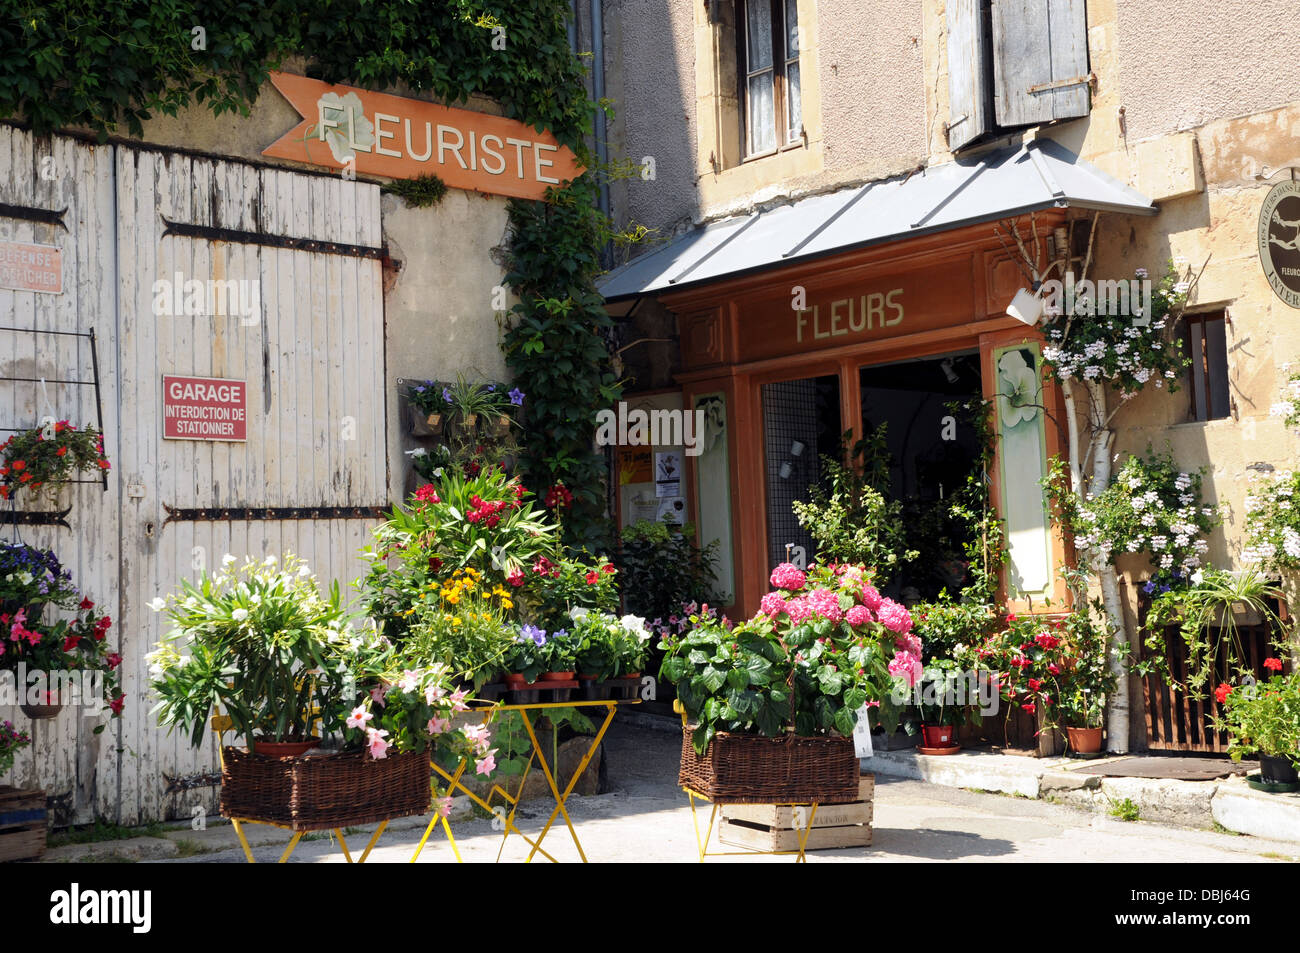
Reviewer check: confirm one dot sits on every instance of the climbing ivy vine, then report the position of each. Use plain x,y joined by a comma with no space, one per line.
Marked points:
78,63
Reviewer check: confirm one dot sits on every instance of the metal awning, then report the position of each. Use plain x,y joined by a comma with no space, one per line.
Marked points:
1040,174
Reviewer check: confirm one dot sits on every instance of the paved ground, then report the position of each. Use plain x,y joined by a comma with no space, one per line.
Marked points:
645,818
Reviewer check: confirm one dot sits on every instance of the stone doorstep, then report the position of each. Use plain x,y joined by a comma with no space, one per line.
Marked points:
220,836
1198,804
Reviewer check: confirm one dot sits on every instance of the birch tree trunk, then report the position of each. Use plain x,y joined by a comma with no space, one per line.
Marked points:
1117,706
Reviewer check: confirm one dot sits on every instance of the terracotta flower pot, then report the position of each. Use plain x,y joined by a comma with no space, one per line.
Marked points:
516,680
557,676
632,675
284,749
939,736
1084,740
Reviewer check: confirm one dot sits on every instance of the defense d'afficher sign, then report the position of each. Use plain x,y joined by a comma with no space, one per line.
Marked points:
379,134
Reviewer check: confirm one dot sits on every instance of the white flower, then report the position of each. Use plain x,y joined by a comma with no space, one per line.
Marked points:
303,571
417,452
577,612
268,562
635,625
239,615
157,604
227,559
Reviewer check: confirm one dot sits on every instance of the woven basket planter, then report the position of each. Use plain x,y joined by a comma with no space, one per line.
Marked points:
751,769
321,793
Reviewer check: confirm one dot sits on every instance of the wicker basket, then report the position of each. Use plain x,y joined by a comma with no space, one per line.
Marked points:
320,793
751,769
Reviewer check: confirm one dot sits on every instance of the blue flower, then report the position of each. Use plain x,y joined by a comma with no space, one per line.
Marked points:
537,635
446,395
517,397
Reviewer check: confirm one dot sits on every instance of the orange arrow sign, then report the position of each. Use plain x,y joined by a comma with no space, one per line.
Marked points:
399,138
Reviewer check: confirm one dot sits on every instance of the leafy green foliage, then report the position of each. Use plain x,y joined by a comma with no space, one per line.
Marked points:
662,569
555,342
73,63
849,516
424,191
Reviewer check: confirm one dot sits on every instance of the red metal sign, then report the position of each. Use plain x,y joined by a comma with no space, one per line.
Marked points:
25,267
204,408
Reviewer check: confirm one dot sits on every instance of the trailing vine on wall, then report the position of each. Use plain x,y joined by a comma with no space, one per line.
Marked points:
70,63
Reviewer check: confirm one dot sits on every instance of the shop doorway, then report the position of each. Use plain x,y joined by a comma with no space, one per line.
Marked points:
916,418
801,423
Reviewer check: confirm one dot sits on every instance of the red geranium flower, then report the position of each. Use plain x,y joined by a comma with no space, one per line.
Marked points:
1222,692
1273,664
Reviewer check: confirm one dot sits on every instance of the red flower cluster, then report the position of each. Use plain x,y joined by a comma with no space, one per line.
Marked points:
1222,692
427,494
558,496
1273,664
488,511
544,567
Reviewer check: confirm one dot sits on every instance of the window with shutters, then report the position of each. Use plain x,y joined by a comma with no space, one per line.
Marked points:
768,61
1207,378
1014,64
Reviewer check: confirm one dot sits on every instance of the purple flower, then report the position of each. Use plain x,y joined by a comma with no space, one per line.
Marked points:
446,395
538,636
517,397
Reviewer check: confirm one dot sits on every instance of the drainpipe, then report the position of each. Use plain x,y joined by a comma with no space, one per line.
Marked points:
598,93
573,27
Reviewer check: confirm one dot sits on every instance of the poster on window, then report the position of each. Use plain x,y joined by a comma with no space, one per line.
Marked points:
1023,464
668,473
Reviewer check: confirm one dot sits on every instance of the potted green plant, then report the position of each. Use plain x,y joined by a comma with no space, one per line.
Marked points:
60,659
432,400
771,703
940,712
259,643
1264,719
42,460
561,653
469,400
31,579
528,656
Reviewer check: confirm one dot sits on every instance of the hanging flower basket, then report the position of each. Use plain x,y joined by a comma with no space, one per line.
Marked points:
753,769
325,791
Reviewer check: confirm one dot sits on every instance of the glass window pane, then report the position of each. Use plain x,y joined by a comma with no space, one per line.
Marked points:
791,29
762,114
1216,366
758,15
793,106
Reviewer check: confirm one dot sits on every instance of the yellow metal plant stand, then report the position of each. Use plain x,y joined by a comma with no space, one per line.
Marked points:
805,811
561,797
221,724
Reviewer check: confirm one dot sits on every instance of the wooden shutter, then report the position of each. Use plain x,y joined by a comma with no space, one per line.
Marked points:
1040,61
970,113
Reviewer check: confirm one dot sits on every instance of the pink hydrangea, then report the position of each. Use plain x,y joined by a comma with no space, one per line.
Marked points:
858,615
871,597
906,666
894,617
850,575
909,643
773,604
798,610
825,603
788,576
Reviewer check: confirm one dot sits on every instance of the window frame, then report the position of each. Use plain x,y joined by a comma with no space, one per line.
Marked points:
786,138
1202,379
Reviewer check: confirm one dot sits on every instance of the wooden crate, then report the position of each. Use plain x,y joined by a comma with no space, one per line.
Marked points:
772,827
22,824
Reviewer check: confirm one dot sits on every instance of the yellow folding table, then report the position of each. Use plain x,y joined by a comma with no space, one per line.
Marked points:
454,782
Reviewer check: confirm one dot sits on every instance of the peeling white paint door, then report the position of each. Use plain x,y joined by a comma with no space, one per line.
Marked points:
311,353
